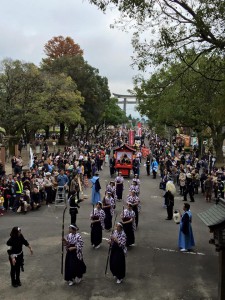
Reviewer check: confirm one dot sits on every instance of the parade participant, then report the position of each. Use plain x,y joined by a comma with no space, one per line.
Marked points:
16,242
74,264
137,180
119,186
135,202
74,205
96,187
118,251
129,226
136,166
97,225
186,238
134,186
111,188
108,207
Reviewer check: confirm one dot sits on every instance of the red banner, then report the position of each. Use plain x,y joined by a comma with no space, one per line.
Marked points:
131,137
139,133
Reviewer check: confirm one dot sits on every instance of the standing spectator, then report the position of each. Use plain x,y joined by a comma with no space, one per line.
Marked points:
48,188
169,202
154,168
189,189
182,181
208,188
148,162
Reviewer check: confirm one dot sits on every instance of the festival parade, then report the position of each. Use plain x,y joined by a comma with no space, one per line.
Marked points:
112,150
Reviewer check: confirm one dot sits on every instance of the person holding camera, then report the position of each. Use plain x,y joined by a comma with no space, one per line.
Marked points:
15,252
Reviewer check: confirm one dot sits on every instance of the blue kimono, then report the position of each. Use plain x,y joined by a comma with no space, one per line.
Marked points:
186,238
95,196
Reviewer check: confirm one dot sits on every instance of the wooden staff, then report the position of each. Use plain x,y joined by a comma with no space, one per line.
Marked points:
80,186
110,247
62,257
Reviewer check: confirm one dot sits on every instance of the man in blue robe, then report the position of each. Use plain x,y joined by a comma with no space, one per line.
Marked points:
95,193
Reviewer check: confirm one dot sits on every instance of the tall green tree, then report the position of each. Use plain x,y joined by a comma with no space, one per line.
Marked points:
166,29
189,100
93,87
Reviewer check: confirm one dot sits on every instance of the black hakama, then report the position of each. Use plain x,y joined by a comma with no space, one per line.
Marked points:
74,267
117,262
128,229
96,233
119,191
108,218
135,209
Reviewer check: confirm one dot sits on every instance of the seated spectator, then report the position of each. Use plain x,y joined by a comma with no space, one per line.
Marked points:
35,199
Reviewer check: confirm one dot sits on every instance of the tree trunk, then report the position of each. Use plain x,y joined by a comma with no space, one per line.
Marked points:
218,139
12,142
47,132
71,130
62,134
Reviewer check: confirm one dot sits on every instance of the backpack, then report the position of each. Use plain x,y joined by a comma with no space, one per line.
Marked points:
97,185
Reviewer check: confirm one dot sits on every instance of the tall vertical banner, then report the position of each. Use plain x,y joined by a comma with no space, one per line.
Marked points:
31,158
139,133
131,137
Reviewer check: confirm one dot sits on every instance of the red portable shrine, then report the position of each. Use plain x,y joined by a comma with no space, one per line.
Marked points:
124,159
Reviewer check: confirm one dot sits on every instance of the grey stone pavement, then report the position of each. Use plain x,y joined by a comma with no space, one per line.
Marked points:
155,268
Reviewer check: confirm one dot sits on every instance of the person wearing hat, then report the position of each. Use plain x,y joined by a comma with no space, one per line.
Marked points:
97,225
15,252
154,167
74,263
135,202
111,187
129,226
119,180
134,186
108,205
118,251
95,189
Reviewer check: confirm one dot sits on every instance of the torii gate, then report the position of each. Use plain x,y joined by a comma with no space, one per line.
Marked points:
124,101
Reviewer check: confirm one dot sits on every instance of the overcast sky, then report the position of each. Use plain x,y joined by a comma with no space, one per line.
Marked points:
26,25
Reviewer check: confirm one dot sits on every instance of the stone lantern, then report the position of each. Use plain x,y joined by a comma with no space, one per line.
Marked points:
214,218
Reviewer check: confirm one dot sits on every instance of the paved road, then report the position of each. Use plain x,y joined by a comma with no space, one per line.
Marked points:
156,270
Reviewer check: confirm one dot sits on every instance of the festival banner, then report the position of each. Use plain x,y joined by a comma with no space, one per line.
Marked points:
131,137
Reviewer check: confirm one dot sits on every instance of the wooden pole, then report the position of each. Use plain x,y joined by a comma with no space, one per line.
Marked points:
221,283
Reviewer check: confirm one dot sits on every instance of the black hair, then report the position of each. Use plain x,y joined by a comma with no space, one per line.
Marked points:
187,206
15,232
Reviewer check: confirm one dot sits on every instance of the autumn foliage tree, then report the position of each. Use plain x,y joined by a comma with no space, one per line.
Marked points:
59,46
